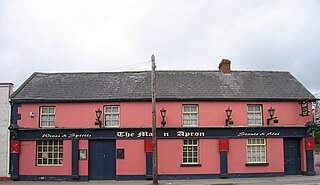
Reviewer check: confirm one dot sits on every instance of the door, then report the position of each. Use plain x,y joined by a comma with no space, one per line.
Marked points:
292,159
102,160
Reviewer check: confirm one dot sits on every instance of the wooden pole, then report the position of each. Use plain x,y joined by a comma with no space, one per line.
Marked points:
154,126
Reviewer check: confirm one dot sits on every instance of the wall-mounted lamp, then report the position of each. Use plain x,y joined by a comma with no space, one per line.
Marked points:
98,115
228,120
163,114
271,114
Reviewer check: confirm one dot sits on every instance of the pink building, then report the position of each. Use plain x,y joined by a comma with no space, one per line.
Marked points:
218,124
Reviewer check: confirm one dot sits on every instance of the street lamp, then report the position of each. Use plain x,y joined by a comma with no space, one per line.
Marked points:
163,114
98,115
228,120
271,114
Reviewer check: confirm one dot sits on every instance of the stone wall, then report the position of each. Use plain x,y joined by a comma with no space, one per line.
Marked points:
5,91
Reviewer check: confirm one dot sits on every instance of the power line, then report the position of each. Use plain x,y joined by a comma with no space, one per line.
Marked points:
130,67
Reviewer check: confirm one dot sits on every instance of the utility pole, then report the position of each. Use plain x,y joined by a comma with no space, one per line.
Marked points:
154,126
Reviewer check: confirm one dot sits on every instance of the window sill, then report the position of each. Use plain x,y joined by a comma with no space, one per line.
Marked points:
257,164
190,165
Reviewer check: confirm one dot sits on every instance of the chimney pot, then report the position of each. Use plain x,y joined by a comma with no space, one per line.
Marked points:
224,66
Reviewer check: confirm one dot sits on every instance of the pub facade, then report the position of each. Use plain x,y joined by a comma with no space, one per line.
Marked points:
210,124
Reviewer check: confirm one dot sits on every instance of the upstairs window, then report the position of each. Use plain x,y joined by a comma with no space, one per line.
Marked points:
190,115
112,116
254,115
47,117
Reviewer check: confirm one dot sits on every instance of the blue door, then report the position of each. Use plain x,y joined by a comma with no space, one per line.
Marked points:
102,160
292,159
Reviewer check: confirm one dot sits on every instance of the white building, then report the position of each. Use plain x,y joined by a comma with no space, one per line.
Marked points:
5,92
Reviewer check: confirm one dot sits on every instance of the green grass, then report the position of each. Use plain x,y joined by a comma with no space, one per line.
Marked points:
317,147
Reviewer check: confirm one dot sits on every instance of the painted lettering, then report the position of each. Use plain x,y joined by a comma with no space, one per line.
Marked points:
166,134
273,134
51,136
190,134
144,134
125,134
248,134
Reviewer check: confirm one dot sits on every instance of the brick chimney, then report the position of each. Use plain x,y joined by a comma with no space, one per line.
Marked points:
224,66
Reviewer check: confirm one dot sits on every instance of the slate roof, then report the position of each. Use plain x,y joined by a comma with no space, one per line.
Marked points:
171,86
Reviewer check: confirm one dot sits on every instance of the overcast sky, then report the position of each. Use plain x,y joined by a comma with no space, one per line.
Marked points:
56,36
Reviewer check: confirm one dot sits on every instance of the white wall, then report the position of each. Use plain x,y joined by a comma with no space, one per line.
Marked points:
5,90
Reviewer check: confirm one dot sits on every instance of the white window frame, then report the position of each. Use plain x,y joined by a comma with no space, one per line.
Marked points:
190,146
47,114
254,113
189,114
256,150
111,114
49,150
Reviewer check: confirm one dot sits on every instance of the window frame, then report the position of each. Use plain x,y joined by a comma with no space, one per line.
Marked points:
111,113
260,156
183,113
47,114
192,151
254,113
42,144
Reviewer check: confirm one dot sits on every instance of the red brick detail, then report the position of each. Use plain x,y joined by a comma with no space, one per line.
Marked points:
223,144
5,178
15,146
310,143
224,66
148,145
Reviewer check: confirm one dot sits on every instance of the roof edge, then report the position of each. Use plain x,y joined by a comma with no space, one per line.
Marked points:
23,85
160,100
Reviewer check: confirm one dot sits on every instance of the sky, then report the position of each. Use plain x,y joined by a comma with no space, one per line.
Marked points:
121,35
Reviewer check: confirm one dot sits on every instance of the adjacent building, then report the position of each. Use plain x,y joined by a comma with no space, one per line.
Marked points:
5,91
213,124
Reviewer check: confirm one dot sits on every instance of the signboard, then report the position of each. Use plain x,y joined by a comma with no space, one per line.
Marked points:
162,133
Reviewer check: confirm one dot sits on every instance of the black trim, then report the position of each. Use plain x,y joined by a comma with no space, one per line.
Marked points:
142,177
257,164
190,165
310,162
223,164
14,166
50,178
75,158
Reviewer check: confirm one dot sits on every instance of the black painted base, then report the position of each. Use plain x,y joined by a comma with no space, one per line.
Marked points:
143,177
51,178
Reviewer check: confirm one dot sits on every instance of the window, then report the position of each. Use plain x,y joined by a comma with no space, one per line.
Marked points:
190,115
190,151
254,115
256,151
50,153
47,116
112,116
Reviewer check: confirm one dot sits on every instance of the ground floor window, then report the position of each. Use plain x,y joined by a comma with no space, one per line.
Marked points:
50,153
256,150
190,151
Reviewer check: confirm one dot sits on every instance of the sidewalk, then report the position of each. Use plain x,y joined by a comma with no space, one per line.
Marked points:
284,180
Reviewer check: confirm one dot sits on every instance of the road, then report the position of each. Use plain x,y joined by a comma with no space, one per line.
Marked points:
285,180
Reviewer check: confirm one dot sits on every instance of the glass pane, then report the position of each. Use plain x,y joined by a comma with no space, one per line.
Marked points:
186,108
115,109
108,109
51,110
250,108
194,109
